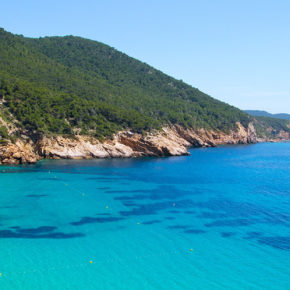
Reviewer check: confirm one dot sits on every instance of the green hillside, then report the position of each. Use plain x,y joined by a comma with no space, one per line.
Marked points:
270,127
259,113
64,85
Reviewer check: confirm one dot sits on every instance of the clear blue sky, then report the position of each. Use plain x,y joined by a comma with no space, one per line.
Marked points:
237,51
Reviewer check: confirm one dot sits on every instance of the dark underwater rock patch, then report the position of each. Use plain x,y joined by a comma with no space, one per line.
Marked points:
36,195
151,222
90,220
194,231
227,234
178,227
230,223
155,208
44,232
277,242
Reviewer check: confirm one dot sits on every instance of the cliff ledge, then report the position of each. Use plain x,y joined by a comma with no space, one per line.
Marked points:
170,141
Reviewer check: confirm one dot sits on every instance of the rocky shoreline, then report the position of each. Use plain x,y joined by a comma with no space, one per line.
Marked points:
170,141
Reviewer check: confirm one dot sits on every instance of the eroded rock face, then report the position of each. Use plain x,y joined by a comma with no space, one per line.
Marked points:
19,153
284,135
167,142
124,144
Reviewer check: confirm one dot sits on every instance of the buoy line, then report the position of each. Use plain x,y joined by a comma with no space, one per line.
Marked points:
92,262
82,193
12,203
89,263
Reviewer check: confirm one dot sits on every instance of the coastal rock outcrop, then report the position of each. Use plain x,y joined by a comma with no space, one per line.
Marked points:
20,152
124,144
170,141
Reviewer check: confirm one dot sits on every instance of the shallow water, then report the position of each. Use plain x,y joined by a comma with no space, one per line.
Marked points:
219,219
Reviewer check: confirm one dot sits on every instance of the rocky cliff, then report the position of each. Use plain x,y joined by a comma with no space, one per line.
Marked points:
170,141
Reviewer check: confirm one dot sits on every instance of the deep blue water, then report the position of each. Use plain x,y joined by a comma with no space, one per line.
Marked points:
219,219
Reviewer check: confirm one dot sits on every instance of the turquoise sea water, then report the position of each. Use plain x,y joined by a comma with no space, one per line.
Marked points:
219,219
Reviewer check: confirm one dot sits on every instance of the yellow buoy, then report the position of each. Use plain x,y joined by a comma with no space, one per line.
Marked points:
91,262
107,207
191,250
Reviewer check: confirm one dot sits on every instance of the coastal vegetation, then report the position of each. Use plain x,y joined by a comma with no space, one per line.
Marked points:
56,84
70,85
270,127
